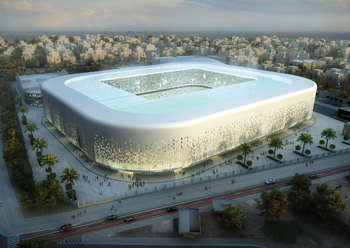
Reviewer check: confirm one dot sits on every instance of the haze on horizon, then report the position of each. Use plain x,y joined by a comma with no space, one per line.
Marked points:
176,15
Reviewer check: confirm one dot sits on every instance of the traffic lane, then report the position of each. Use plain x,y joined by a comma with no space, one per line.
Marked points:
55,245
199,203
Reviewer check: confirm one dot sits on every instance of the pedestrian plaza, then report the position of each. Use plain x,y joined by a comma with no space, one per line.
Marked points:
125,184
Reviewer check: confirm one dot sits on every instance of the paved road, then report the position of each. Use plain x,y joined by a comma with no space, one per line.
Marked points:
100,225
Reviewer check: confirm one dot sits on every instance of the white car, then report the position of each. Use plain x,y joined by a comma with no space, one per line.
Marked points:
271,181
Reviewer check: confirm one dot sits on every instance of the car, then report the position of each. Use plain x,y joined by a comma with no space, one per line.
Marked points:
172,209
66,227
128,219
288,182
111,217
313,176
271,181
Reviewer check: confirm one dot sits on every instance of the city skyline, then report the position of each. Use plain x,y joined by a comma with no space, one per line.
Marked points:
176,16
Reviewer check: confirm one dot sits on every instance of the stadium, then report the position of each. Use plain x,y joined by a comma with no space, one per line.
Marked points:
171,116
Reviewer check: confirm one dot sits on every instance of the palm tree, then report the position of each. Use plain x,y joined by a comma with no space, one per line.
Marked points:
19,99
49,160
22,109
68,176
245,149
276,143
39,144
305,139
328,133
31,127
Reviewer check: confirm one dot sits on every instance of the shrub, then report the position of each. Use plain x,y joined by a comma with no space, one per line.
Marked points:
322,142
297,147
249,163
239,157
308,152
346,137
279,156
332,146
270,151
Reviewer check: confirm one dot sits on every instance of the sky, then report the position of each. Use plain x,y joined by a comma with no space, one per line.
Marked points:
175,15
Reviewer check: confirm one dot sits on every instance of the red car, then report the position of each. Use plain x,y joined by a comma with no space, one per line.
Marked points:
313,176
128,219
66,227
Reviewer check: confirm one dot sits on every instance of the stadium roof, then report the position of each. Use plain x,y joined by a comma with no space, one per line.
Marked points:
95,99
94,86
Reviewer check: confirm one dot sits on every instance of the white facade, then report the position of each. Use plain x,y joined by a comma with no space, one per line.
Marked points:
122,130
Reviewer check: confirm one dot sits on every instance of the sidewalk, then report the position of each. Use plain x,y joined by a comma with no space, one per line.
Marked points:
12,220
14,223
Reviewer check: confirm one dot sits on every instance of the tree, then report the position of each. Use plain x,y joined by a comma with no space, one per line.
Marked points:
274,203
39,144
19,99
328,133
245,148
69,175
31,127
28,200
49,191
305,139
275,143
22,109
328,202
344,94
331,91
35,243
300,191
233,217
49,160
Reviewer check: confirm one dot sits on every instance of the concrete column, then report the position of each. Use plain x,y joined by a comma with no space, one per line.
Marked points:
183,182
164,186
200,179
217,175
105,198
116,196
94,200
135,191
155,188
225,173
174,185
191,180
83,203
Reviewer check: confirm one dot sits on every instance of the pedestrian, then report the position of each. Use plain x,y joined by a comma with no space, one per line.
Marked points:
306,164
232,181
97,177
174,198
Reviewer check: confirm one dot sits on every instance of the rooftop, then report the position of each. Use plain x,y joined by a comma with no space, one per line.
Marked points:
173,86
